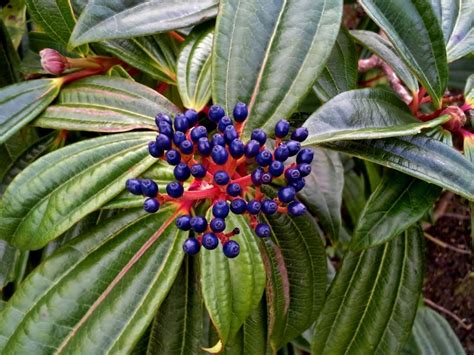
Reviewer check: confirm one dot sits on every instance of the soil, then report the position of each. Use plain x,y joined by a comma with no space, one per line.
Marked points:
449,281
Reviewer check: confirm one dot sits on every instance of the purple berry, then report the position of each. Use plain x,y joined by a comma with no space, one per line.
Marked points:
163,142
219,155
300,134
151,205
184,222
276,168
204,147
218,139
179,137
298,184
162,117
181,123
269,207
305,155
221,177
238,206
154,150
217,225
256,176
230,134
149,188
236,148
134,186
192,117
181,172
264,158
198,224
223,123
209,241
198,171
305,169
252,148
198,132
173,157
266,178
234,189
191,246
262,230
259,135
216,112
282,153
240,112
293,147
231,249
254,207
296,208
282,128
175,189
220,209
292,174
186,147
286,194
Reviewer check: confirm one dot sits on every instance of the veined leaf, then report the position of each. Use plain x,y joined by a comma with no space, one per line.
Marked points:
469,90
364,114
194,68
420,156
353,195
9,256
21,103
459,71
424,53
371,305
398,202
256,40
105,104
109,19
60,188
99,292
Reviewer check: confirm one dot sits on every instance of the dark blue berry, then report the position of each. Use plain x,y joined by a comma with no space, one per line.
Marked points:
231,249
217,225
198,171
204,147
192,117
282,153
286,194
234,189
282,128
199,224
223,123
252,148
184,222
175,189
221,177
163,142
149,188
218,139
191,246
216,112
154,150
209,241
276,168
238,206
254,207
292,174
236,148
220,209
266,178
162,117
186,147
305,155
293,147
173,157
269,207
179,137
219,155
259,135
181,172
300,134
230,134
264,158
151,205
181,123
296,208
240,112
198,132
134,186
298,184
165,128
256,176
305,169
262,230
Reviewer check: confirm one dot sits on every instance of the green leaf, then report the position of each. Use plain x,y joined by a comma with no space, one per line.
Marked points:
364,114
68,184
459,71
194,68
469,90
424,52
232,288
371,305
295,263
105,104
340,72
20,103
9,256
354,195
9,59
107,19
420,156
269,54
323,192
99,292
13,14
398,202
384,49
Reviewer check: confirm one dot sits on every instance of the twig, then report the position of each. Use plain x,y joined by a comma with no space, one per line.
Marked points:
449,313
446,245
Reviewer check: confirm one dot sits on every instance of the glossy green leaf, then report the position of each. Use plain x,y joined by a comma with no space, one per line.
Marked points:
353,195
371,305
340,72
425,52
105,104
99,292
459,71
232,288
13,14
364,114
194,68
295,263
68,184
384,49
9,59
20,103
108,19
398,202
420,156
269,54
9,256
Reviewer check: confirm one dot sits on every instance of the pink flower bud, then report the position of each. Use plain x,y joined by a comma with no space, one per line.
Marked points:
458,118
53,62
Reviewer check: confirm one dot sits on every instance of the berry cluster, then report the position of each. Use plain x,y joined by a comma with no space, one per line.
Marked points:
225,171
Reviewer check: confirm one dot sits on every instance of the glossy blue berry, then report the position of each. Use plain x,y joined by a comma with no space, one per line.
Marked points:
269,207
149,188
282,128
173,157
223,123
151,205
264,158
198,132
175,189
230,134
186,147
281,152
204,147
286,194
231,249
217,225
254,207
163,142
134,186
219,155
162,117
216,112
293,147
238,206
298,184
220,209
305,155
236,148
181,123
165,128
240,112
276,168
221,177
218,139
259,135
266,178
178,137
154,150
234,189
292,174
198,224
300,134
262,230
192,117
183,223
181,172
296,208
198,171
209,241
252,148
256,176
305,169
191,246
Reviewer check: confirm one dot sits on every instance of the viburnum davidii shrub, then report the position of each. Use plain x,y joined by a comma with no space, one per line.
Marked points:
238,177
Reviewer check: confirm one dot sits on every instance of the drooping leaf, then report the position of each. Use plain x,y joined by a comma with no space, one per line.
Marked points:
364,114
383,49
194,68
371,305
109,19
340,72
269,54
420,156
9,59
424,52
105,104
398,202
68,184
99,293
21,103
